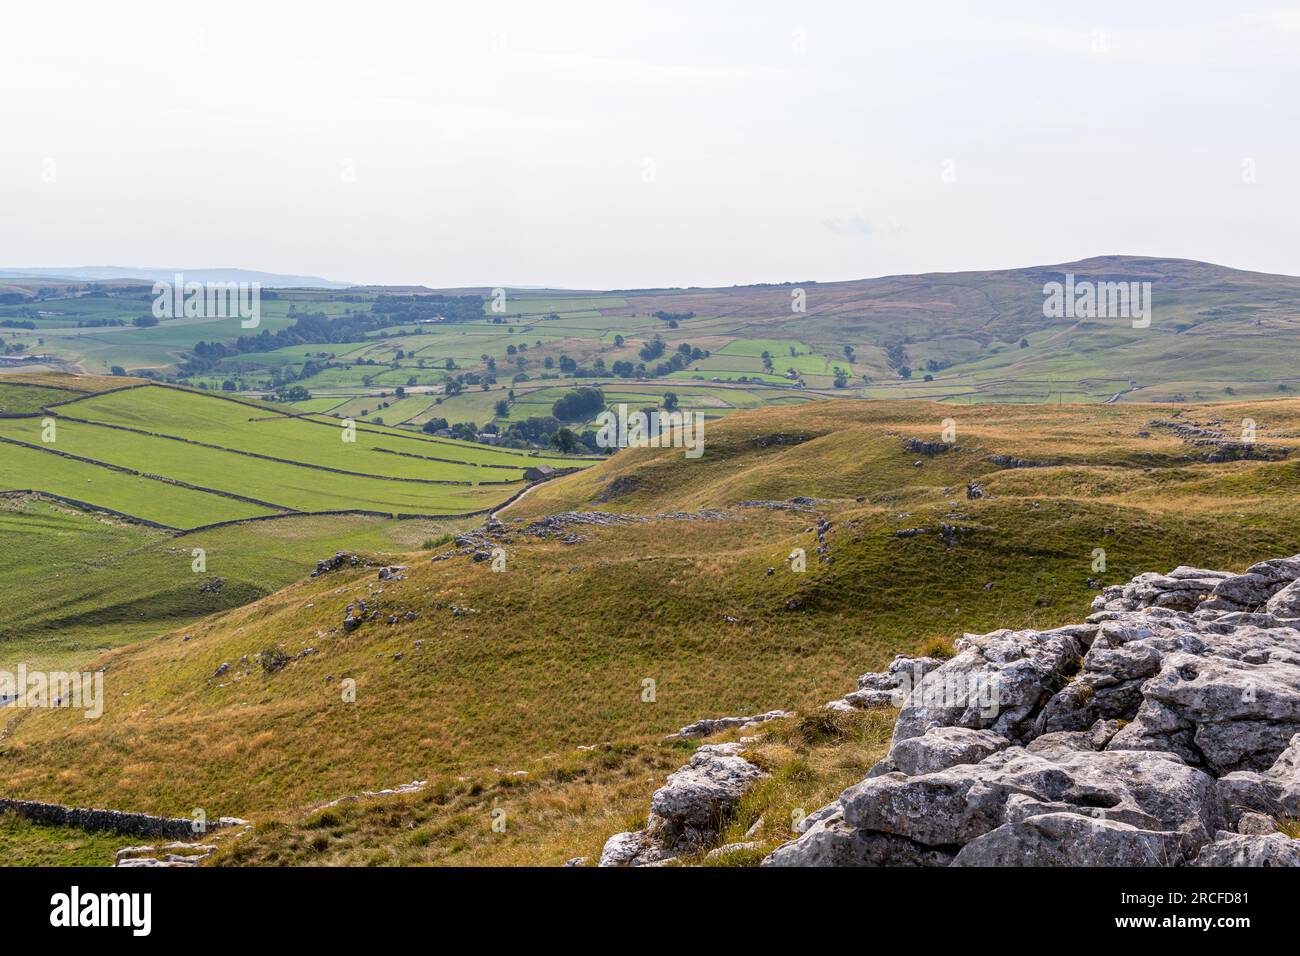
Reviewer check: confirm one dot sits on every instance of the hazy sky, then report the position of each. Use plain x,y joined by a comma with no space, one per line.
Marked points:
622,144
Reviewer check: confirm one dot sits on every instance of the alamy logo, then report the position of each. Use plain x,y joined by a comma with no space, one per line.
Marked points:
1072,299
209,300
38,689
75,908
655,430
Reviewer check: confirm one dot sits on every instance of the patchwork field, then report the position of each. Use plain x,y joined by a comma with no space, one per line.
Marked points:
185,459
1217,334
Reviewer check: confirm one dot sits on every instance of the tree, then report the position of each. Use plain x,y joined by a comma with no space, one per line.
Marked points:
117,370
618,341
502,408
144,321
433,425
670,400
652,349
295,393
565,440
579,404
841,377
1024,343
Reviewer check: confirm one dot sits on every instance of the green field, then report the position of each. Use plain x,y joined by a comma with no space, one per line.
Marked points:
34,469
20,399
74,582
186,459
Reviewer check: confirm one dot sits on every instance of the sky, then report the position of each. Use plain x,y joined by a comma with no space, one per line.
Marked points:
624,144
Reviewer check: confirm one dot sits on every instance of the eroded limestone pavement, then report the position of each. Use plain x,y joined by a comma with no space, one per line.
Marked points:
1165,730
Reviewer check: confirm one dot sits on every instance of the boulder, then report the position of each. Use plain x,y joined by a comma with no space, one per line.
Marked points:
1142,737
1224,711
1257,585
689,809
630,849
697,798
941,748
887,688
952,807
1068,839
1234,849
832,842
722,852
1285,604
1274,792
1061,742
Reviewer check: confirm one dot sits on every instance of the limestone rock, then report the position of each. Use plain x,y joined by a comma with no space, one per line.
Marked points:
1151,791
1068,839
1233,849
832,842
1275,791
708,727
998,682
630,849
941,748
691,806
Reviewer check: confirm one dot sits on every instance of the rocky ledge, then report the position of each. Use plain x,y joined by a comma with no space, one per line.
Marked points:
1165,730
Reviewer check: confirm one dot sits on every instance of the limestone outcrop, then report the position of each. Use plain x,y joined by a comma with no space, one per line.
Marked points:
1164,730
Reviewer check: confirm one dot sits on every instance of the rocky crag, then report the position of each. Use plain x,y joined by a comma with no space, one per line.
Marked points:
1164,730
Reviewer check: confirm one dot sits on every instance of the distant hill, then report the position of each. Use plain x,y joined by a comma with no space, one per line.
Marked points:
270,280
1215,332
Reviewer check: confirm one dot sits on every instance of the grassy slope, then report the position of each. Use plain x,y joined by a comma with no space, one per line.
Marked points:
556,653
75,584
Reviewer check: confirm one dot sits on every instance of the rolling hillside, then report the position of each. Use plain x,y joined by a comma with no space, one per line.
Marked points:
464,676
